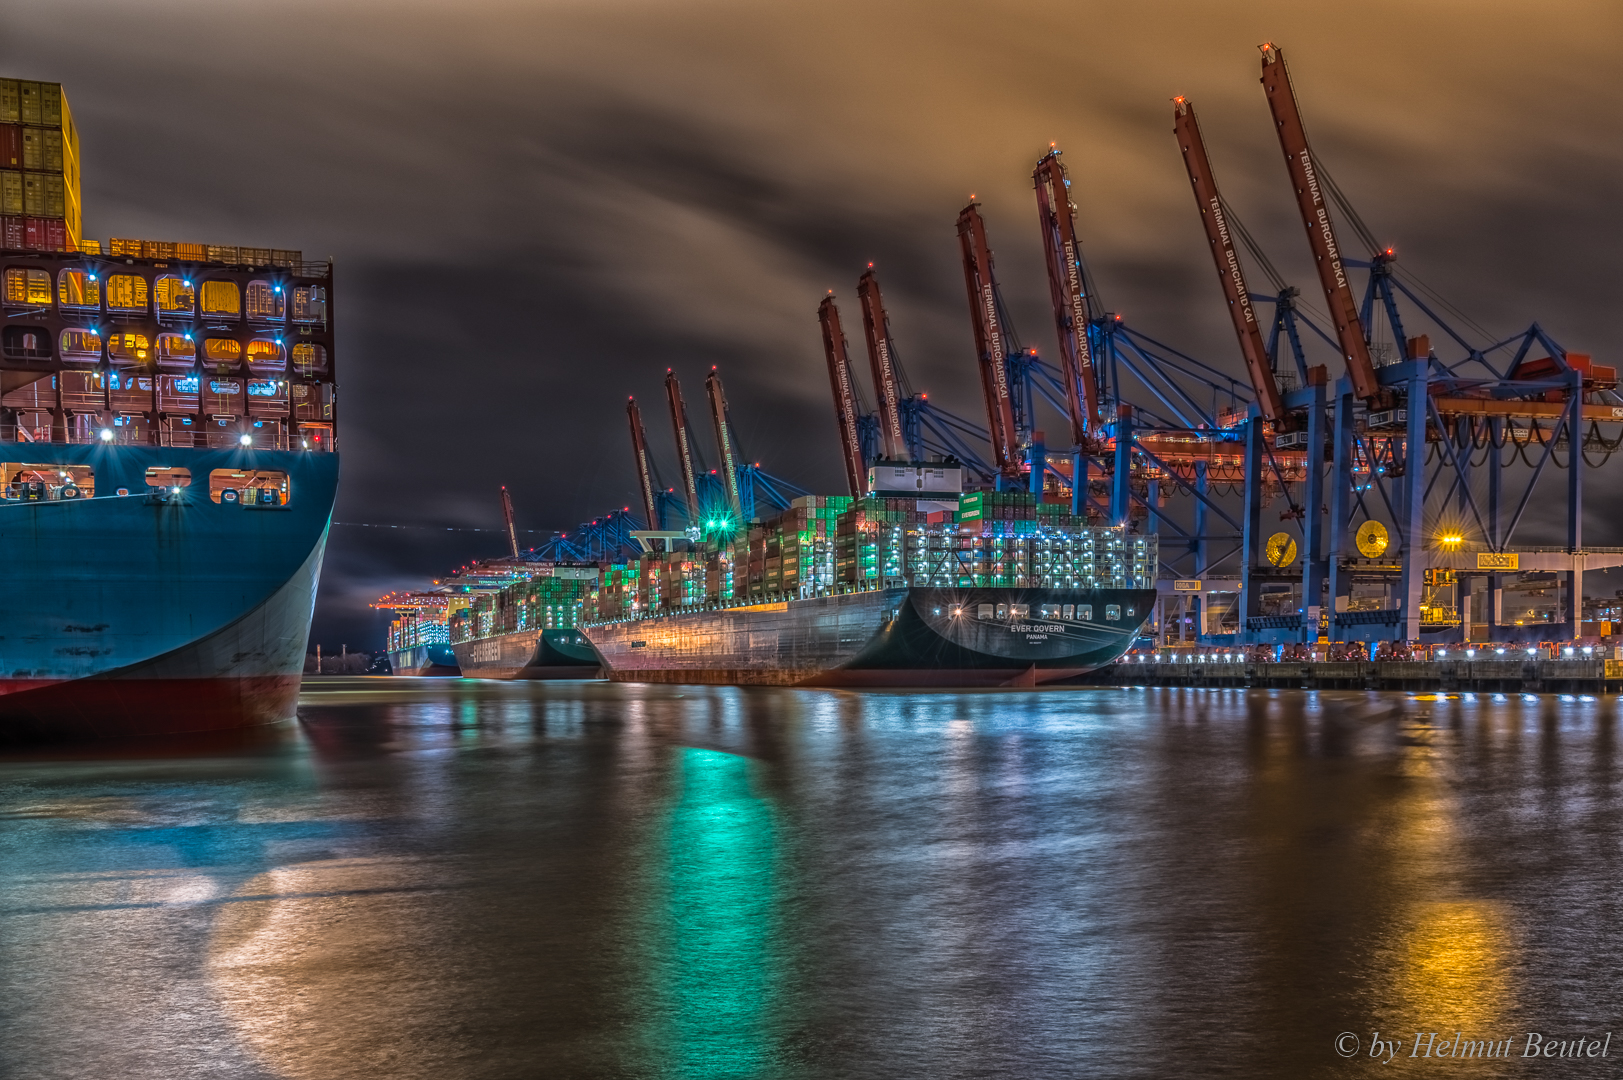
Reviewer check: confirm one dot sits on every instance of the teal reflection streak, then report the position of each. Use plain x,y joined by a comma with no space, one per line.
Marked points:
715,974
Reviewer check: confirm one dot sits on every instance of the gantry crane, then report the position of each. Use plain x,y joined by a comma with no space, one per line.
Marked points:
724,442
846,409
507,515
991,344
645,476
1314,207
684,447
887,379
1069,290
1214,218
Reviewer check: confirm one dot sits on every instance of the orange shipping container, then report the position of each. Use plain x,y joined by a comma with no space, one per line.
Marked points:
191,252
126,248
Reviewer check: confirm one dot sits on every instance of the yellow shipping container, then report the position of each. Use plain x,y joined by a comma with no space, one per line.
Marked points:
34,196
50,145
221,254
28,95
34,148
191,252
127,248
11,192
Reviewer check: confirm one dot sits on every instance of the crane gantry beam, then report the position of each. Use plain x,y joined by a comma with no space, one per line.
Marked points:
845,397
882,358
684,446
645,476
1067,288
1311,201
991,344
724,441
1214,219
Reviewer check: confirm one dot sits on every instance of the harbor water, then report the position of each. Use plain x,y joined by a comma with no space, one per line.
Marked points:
453,878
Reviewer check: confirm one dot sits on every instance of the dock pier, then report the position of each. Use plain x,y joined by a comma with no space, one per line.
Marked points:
1594,676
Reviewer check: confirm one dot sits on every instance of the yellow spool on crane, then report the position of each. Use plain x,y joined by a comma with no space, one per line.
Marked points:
1281,549
1372,539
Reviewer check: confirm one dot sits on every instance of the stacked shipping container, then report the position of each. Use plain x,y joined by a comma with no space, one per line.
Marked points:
539,603
39,168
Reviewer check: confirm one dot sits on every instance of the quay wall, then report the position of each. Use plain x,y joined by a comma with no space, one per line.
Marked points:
1532,676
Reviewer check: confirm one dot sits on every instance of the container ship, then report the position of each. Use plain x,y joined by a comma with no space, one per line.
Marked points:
508,618
167,444
874,592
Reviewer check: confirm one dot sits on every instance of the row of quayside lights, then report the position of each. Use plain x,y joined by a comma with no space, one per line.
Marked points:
1229,658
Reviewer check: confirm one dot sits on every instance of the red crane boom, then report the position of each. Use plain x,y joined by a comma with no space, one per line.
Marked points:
684,451
1068,291
507,513
882,357
1212,216
990,341
1321,233
729,467
645,477
845,397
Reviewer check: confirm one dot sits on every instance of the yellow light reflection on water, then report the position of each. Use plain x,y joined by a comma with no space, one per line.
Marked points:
1454,970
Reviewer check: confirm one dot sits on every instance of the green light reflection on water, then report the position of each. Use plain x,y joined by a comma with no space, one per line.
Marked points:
714,976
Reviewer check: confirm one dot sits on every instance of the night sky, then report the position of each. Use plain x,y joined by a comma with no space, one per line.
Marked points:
536,208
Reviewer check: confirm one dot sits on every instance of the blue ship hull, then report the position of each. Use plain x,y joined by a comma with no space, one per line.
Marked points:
154,612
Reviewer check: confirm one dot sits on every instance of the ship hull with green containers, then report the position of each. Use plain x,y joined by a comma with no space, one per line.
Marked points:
528,630
883,591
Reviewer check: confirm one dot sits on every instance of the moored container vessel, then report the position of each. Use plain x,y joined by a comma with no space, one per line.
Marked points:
1000,589
167,436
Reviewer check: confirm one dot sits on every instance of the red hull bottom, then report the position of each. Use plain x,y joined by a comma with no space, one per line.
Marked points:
873,678
97,708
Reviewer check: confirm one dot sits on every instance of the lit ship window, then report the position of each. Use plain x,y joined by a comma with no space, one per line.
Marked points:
47,481
27,288
126,292
266,355
175,295
78,289
166,476
128,348
260,487
219,350
310,304
83,346
1113,612
308,359
222,299
266,302
1084,612
27,343
176,351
